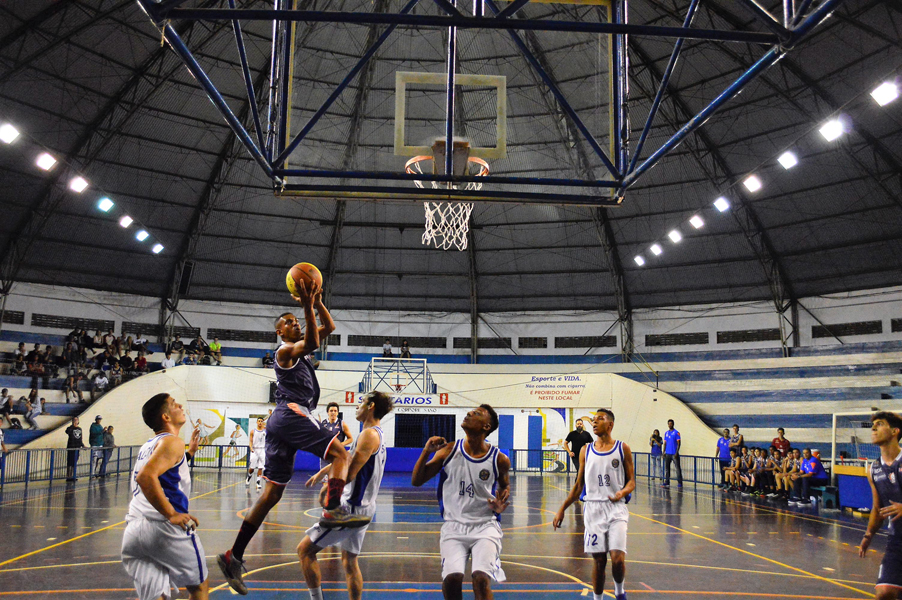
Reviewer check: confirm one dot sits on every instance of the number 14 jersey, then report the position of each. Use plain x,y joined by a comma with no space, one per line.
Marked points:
466,484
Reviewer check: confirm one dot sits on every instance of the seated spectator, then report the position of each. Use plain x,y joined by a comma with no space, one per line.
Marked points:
74,336
109,339
116,374
35,408
203,358
197,345
20,351
34,354
97,342
168,362
811,474
405,349
6,405
19,367
69,359
216,351
268,361
100,384
119,345
140,343
86,342
127,363
386,349
177,346
190,359
35,369
21,407
141,364
49,361
105,361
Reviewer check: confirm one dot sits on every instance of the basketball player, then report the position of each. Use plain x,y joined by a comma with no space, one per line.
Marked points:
885,477
336,426
473,491
292,428
606,474
257,459
160,547
364,478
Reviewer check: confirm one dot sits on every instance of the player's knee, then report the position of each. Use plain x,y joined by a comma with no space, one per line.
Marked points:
885,592
481,580
307,549
349,562
618,558
271,494
198,592
454,578
337,451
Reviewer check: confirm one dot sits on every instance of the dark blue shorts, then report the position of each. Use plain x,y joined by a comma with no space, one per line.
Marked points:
890,572
286,433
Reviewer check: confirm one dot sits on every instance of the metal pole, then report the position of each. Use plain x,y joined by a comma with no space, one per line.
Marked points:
3,309
620,72
395,176
284,82
449,104
665,80
248,82
833,452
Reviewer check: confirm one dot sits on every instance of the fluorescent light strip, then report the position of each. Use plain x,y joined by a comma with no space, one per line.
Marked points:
884,93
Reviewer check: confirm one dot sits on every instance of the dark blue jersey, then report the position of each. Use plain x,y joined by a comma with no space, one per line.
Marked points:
887,481
297,384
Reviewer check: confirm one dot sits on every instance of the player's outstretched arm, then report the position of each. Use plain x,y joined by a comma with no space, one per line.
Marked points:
630,473
503,493
328,325
167,454
875,521
289,353
426,469
573,496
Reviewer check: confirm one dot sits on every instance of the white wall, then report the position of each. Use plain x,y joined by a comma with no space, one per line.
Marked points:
883,304
217,394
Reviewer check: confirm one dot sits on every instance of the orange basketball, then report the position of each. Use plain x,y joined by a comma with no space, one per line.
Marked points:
302,274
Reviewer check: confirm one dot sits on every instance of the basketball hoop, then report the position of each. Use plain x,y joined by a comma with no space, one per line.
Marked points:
447,223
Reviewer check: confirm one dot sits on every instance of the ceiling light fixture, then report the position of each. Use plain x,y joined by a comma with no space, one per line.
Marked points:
752,183
142,235
883,94
675,236
656,250
721,204
45,161
697,222
832,129
788,160
157,248
8,133
105,204
78,184
126,221
639,260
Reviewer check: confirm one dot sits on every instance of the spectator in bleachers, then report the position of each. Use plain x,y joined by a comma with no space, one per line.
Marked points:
71,387
69,359
20,350
177,346
86,342
95,439
773,467
116,375
35,408
74,336
203,358
51,366
197,345
140,343
2,446
812,474
168,362
35,368
781,443
127,364
190,359
141,364
109,442
105,361
34,354
100,384
109,340
6,405
386,349
216,351
73,445
97,342
405,349
19,367
268,361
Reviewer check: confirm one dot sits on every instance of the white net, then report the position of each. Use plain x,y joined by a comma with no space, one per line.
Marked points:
447,224
853,438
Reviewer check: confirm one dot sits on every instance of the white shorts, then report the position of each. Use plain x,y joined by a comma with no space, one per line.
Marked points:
480,542
257,459
350,540
160,556
605,524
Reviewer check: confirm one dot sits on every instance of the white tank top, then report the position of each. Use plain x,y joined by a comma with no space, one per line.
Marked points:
259,439
176,483
466,484
365,487
605,474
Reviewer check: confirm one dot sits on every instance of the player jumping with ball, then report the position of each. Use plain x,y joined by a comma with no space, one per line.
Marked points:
292,427
606,475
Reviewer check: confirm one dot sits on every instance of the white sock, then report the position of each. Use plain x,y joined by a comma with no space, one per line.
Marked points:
618,587
597,596
316,593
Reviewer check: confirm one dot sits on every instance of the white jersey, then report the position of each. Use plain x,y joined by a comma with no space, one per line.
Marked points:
365,487
259,440
176,484
466,484
605,474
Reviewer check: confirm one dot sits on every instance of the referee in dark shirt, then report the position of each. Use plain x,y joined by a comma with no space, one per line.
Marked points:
575,441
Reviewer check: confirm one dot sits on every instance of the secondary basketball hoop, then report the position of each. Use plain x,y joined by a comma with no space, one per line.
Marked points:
447,223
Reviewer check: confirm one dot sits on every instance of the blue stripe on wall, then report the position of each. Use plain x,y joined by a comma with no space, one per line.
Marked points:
506,432
826,394
534,441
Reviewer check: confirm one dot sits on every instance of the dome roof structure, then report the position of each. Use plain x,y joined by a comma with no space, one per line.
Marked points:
89,83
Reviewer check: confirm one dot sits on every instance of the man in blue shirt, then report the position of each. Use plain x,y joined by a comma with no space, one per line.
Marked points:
672,454
723,455
812,474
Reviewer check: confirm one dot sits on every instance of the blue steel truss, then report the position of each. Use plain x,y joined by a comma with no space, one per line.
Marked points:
270,148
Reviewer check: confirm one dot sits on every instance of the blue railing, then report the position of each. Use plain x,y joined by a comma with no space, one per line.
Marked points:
26,466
